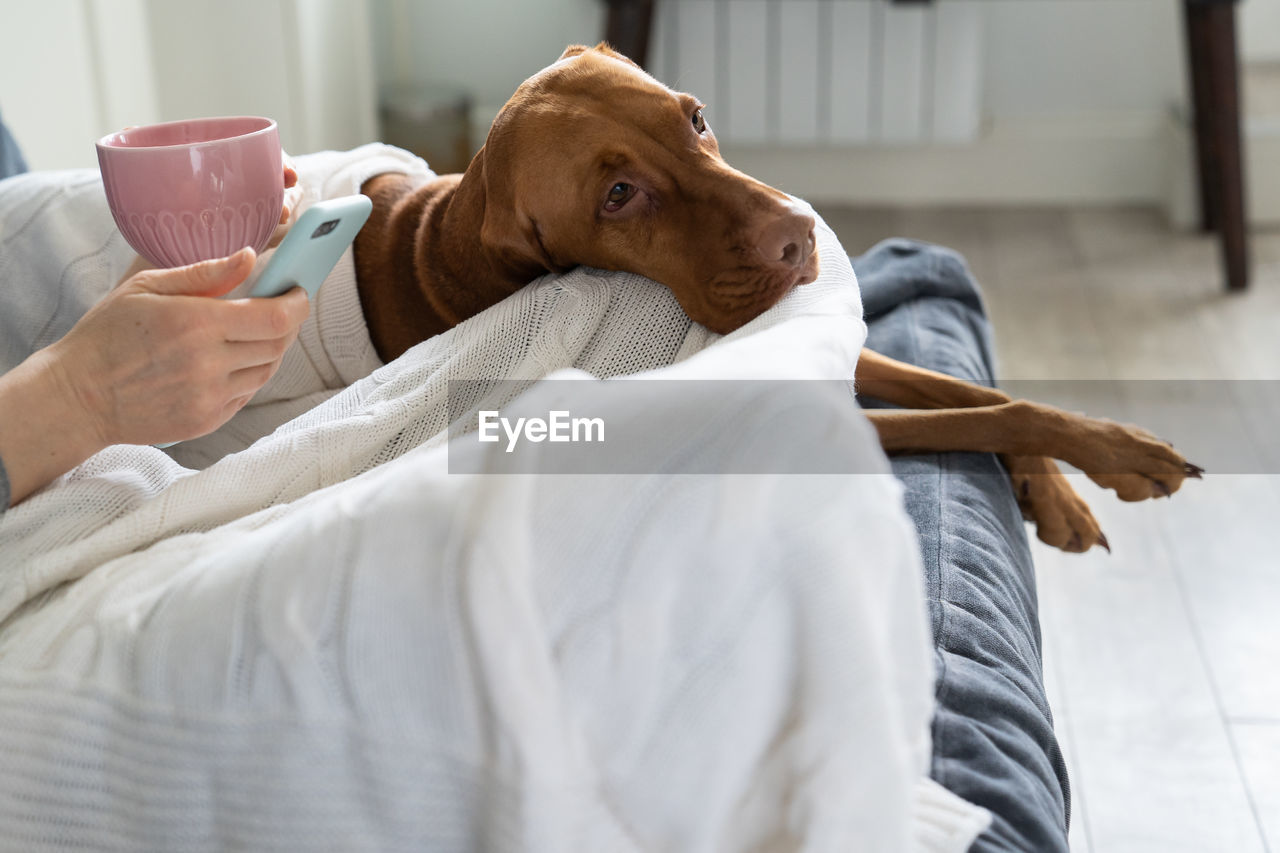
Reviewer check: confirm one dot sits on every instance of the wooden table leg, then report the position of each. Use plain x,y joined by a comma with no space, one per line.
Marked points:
1215,92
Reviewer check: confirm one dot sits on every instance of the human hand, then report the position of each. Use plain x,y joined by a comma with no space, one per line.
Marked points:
159,360
292,195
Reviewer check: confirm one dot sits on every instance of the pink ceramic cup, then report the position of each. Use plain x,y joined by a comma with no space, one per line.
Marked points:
187,191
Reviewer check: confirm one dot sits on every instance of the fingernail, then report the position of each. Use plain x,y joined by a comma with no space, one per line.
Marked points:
221,266
233,261
224,262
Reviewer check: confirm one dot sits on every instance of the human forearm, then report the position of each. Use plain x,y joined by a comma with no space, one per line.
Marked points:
159,359
43,432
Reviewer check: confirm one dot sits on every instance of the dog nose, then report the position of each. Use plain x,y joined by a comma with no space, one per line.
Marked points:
787,240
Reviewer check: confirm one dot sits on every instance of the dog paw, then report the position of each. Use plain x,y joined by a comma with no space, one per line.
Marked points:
1137,465
1062,518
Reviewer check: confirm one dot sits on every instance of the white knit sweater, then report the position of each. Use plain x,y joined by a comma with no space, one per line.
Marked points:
61,233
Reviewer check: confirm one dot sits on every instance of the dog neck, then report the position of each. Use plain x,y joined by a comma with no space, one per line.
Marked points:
420,265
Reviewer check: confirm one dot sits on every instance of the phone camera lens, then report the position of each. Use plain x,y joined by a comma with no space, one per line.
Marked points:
325,228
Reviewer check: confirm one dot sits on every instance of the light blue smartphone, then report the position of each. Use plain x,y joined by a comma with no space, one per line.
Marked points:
313,245
311,248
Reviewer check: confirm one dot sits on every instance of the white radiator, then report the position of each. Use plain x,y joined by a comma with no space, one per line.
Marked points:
826,72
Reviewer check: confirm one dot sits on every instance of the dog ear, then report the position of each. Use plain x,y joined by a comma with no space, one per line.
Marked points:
603,47
506,231
608,50
512,237
573,50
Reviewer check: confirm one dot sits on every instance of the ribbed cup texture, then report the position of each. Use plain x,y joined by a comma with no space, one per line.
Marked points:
171,239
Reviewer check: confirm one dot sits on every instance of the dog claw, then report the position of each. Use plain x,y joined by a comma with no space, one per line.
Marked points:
1102,540
1194,471
1161,488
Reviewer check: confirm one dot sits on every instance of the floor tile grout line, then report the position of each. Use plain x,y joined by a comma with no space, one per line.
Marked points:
1079,802
1205,663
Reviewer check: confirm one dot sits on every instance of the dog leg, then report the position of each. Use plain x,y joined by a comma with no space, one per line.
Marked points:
1127,459
1062,518
914,387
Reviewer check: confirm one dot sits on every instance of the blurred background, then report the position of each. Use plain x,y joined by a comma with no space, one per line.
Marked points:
1049,141
963,102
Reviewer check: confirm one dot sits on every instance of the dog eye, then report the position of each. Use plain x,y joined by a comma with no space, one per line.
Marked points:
699,123
619,195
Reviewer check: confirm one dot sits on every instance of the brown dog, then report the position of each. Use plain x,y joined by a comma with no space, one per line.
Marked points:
594,162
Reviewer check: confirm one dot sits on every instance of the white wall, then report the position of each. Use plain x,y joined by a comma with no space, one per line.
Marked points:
74,70
1072,56
1068,57
484,47
306,63
60,87
1259,23
213,60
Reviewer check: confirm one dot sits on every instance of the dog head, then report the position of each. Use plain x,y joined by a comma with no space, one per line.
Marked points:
595,162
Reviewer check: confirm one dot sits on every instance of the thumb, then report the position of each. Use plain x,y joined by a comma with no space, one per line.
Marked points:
206,278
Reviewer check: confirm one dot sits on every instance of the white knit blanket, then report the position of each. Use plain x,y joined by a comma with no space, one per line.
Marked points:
329,641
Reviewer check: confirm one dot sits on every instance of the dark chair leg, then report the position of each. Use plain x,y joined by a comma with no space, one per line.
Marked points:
627,28
1215,91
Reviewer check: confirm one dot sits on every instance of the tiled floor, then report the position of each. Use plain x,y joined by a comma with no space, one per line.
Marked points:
1162,659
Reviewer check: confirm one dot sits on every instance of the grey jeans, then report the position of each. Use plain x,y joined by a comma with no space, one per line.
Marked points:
993,740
